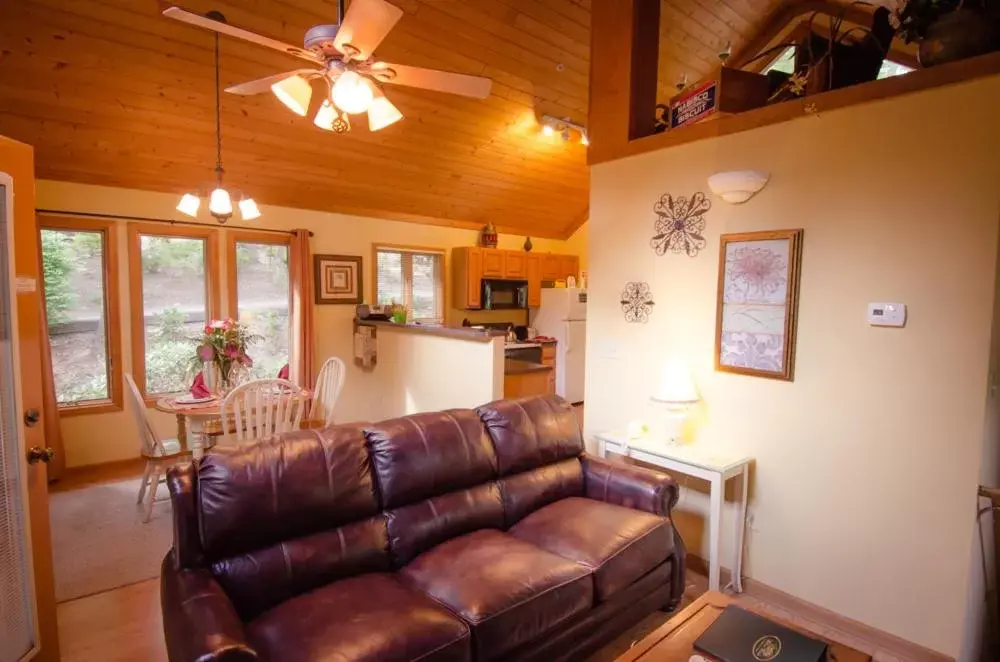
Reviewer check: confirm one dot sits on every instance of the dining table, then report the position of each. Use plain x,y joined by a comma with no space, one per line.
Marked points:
199,421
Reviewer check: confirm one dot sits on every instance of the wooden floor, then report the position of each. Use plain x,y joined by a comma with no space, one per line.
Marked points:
122,625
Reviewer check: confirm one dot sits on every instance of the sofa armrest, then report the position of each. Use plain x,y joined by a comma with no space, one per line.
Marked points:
199,622
628,485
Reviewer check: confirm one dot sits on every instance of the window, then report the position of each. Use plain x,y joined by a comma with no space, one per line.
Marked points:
786,63
80,266
413,277
260,296
173,281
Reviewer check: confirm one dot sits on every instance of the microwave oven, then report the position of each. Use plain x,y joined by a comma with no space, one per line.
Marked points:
505,294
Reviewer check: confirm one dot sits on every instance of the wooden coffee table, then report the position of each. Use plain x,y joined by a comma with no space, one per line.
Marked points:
674,640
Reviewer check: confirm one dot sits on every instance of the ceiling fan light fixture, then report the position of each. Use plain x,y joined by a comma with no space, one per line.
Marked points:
189,205
220,204
325,116
352,93
382,113
249,209
295,92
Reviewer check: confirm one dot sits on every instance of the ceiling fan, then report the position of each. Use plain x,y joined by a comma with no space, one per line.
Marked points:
342,55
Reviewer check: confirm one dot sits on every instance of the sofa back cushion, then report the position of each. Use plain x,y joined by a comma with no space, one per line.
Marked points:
531,432
258,495
426,455
526,492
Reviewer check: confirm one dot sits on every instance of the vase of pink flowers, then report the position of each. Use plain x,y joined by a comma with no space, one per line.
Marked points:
222,354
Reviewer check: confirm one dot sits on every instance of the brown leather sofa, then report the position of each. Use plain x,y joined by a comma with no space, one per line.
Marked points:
458,535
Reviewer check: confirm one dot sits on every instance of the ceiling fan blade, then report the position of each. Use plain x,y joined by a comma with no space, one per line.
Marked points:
264,84
365,25
191,18
432,79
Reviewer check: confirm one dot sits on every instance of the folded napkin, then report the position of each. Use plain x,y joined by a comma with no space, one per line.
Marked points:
283,373
198,388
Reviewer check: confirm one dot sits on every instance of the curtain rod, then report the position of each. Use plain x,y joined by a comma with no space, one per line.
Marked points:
146,219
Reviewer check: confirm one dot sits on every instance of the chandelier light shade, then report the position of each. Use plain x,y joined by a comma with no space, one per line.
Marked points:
352,93
381,112
326,115
220,202
295,92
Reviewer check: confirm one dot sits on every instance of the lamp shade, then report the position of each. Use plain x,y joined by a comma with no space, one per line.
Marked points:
295,92
738,186
325,116
249,209
189,204
219,203
382,113
352,93
676,386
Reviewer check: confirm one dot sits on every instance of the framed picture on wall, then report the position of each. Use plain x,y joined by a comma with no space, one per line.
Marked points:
338,279
757,304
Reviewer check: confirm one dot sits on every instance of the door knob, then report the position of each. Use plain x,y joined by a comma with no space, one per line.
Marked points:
31,418
37,454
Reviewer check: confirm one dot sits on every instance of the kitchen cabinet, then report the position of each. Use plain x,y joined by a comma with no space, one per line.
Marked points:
534,272
549,359
515,265
569,265
550,267
493,263
467,277
520,384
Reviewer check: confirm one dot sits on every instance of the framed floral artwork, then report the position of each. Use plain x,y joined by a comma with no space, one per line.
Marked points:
338,279
758,303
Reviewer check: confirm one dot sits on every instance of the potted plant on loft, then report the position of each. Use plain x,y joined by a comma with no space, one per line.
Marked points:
949,30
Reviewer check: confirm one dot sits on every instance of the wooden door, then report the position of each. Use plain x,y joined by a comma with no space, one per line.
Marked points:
492,263
474,279
550,267
534,270
569,265
515,265
21,397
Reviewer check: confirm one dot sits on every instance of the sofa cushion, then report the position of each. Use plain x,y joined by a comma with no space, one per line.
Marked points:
508,590
619,544
526,492
531,432
369,617
255,495
416,457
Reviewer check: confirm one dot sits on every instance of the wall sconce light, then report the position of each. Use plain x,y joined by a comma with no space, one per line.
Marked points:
564,127
738,186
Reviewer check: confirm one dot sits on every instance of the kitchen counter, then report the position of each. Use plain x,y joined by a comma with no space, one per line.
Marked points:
459,333
516,367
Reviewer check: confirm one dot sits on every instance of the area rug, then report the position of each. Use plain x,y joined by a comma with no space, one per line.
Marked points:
99,541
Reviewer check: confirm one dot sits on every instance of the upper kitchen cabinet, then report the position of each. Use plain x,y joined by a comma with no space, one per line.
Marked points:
534,269
467,277
515,265
493,263
569,265
551,268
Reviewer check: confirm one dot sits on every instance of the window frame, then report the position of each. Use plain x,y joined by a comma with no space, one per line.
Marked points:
112,310
426,250
136,318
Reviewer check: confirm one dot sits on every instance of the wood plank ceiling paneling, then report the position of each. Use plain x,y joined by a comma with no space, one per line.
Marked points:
109,92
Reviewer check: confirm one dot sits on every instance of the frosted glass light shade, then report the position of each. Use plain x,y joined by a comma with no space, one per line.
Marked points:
219,203
249,209
295,92
352,93
738,186
189,204
381,113
325,116
676,387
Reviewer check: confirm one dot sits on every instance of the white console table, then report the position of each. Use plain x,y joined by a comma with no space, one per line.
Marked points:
701,462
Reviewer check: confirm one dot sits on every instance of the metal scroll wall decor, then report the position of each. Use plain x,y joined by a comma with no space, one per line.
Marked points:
680,224
637,302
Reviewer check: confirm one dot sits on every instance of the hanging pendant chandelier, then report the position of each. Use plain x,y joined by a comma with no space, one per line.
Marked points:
220,202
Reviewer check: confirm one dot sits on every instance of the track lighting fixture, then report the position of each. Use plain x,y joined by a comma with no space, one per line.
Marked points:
564,127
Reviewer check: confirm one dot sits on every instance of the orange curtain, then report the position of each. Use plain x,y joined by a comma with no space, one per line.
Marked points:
303,359
50,406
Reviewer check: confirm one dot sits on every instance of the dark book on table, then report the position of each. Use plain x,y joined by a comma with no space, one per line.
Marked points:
740,636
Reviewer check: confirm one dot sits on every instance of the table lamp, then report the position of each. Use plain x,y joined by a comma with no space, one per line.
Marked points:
677,393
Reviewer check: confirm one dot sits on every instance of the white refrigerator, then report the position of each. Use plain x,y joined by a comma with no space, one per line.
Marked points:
563,316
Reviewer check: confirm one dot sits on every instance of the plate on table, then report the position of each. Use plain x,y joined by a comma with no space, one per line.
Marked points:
191,400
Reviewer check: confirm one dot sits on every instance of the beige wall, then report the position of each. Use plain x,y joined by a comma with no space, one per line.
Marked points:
864,489
103,438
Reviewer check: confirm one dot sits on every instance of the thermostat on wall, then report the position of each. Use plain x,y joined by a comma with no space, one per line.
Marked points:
887,314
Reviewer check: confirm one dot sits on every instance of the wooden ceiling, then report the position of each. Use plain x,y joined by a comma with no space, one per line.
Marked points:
110,92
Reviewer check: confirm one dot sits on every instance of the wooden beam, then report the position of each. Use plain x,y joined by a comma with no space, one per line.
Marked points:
645,60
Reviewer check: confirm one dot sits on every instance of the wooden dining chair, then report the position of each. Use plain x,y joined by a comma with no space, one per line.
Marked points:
158,453
262,409
329,384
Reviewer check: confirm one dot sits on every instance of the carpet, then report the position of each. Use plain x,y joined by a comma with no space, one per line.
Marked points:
100,542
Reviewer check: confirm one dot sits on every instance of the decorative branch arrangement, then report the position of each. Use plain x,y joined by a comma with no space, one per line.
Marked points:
637,302
680,224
